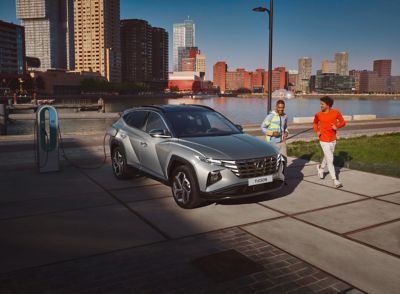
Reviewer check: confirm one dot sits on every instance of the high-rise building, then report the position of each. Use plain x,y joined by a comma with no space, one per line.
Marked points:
49,31
303,78
328,67
219,75
186,52
371,82
136,50
160,54
383,67
292,79
97,37
12,50
184,36
144,52
189,64
342,63
201,64
356,75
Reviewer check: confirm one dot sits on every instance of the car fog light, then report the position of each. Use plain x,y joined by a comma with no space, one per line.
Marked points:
213,177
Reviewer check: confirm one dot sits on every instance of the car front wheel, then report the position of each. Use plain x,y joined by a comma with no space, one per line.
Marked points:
119,165
185,188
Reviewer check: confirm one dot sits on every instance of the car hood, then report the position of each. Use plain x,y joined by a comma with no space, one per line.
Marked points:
233,147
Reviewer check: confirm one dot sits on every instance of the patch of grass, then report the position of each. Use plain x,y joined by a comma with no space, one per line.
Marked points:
377,154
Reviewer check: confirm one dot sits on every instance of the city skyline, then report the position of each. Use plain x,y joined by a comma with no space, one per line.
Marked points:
233,33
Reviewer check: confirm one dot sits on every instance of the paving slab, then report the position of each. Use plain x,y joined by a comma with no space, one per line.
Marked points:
299,196
30,184
367,184
143,193
367,269
34,241
353,216
386,237
105,177
177,222
395,198
54,204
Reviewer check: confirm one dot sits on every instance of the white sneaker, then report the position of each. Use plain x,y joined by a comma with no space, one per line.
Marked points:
320,171
337,184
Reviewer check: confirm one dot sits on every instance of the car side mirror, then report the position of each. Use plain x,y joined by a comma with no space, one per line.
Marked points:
160,133
239,127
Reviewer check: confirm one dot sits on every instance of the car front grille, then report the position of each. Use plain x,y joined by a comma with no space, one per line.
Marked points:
250,168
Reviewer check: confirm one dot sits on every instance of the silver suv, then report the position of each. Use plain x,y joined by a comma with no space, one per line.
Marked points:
195,150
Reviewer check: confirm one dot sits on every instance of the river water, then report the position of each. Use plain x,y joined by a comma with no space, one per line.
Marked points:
239,110
253,110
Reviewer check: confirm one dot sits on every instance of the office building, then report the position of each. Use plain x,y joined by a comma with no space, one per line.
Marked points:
183,36
219,75
356,76
383,67
185,81
342,63
292,79
328,67
333,83
12,51
188,64
136,50
257,80
303,78
201,64
278,79
160,55
371,82
97,37
49,31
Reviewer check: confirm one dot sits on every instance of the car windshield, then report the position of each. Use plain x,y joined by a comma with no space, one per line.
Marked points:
200,124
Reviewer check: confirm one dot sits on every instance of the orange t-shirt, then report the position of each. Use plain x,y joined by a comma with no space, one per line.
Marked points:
326,120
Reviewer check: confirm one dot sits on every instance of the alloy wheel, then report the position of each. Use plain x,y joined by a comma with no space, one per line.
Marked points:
181,188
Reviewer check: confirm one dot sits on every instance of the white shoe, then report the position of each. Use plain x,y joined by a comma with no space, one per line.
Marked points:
320,171
337,184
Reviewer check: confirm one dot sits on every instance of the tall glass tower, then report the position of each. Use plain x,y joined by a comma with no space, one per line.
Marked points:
48,31
184,36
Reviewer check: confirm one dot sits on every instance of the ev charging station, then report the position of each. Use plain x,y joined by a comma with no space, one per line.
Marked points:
47,149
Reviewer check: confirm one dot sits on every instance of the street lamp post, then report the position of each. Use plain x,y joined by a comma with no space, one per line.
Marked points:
270,12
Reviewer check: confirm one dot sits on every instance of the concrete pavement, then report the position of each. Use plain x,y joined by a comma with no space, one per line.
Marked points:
81,230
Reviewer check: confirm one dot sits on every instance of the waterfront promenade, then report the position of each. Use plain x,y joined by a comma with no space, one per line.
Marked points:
83,231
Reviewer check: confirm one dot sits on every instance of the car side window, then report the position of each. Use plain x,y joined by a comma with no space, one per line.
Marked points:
155,122
136,119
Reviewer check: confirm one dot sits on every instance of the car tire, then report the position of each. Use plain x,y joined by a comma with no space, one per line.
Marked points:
119,164
185,188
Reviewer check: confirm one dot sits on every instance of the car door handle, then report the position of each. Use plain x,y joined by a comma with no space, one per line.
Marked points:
143,144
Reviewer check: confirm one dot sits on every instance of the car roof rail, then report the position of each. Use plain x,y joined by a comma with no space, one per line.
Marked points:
203,106
155,107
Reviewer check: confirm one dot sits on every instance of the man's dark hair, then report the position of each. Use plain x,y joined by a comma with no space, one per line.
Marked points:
327,100
280,102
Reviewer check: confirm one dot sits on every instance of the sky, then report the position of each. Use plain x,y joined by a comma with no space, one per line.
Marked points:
228,30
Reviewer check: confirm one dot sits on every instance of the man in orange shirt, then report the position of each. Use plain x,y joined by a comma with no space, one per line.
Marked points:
326,122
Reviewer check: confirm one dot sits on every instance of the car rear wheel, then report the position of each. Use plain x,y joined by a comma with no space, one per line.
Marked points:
118,163
185,188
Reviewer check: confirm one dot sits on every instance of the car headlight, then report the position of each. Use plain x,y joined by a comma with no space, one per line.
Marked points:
210,160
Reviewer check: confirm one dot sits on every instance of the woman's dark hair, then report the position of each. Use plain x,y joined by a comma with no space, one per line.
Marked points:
327,100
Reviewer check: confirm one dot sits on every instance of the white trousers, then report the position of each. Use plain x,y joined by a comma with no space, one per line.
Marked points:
328,148
282,147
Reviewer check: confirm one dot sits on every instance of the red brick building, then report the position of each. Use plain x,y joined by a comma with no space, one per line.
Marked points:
383,67
219,75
